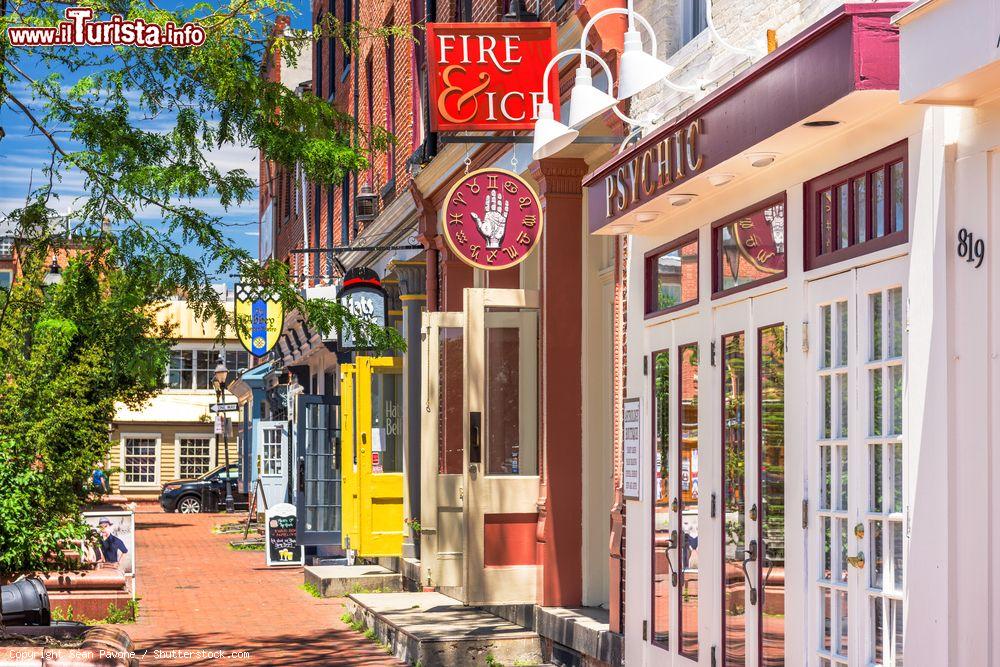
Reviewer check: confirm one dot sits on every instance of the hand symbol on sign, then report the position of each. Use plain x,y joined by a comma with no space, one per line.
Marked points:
493,224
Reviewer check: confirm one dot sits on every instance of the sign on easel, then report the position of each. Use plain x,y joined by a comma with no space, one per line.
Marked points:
632,449
279,536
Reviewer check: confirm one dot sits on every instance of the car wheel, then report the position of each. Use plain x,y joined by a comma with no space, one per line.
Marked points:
189,505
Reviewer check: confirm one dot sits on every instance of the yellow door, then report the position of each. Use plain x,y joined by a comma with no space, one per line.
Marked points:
351,512
373,456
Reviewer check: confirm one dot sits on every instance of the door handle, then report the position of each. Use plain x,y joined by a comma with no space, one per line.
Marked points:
750,557
671,544
475,446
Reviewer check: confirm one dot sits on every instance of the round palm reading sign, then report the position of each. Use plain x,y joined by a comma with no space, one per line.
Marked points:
492,219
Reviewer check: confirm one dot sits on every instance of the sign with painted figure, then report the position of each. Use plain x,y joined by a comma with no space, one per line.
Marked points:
259,318
279,536
113,543
488,76
632,449
364,297
492,219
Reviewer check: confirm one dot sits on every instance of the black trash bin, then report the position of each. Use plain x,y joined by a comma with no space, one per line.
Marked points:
25,602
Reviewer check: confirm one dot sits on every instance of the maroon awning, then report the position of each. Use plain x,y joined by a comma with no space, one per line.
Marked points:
854,48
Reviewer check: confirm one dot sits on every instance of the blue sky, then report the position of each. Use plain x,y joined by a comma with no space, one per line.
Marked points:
25,152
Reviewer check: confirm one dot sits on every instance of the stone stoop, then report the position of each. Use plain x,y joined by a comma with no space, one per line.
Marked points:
433,630
338,580
89,593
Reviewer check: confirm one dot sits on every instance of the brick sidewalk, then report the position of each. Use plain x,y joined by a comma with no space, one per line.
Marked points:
199,595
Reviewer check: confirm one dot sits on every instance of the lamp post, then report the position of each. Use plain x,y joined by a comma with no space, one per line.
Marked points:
54,275
221,376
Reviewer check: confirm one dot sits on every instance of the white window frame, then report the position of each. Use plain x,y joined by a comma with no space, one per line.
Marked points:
200,348
156,469
212,447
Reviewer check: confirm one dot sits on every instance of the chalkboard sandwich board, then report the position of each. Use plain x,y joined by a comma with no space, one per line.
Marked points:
279,534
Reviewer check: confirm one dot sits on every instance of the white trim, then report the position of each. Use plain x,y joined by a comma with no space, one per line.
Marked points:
122,484
213,446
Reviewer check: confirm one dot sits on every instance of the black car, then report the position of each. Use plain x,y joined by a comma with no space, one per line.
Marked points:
205,494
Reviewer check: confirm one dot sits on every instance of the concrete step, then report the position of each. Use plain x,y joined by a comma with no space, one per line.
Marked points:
339,580
433,630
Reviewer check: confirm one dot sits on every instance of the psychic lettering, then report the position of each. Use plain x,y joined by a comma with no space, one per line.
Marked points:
488,76
671,159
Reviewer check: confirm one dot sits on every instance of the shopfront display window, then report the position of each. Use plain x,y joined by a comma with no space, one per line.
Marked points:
857,208
750,247
662,524
687,454
672,276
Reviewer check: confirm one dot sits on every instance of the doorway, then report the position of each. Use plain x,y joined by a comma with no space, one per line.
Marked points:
480,448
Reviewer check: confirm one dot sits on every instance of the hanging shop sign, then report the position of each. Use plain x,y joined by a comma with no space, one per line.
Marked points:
492,219
631,449
259,318
364,297
488,76
280,536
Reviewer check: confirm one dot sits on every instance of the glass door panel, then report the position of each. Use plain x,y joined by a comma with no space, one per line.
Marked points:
735,595
687,463
664,530
771,443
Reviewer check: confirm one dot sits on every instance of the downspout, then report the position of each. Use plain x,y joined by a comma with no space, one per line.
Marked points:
300,180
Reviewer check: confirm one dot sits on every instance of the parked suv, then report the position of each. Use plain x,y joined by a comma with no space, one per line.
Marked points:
204,494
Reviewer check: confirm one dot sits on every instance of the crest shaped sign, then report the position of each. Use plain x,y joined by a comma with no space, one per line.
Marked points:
492,219
259,317
488,76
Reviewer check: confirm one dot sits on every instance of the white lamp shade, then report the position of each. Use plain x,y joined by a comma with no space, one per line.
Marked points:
551,136
585,101
638,70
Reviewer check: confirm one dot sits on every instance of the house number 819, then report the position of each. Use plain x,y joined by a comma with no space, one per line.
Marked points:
971,248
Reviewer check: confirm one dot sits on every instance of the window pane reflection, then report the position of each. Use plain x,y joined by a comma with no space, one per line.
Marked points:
751,248
734,542
772,494
674,279
688,460
661,501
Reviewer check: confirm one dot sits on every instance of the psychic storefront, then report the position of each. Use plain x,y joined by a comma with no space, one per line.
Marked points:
778,231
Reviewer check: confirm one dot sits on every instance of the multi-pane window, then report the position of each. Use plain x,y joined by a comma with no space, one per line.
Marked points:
672,275
857,208
833,515
139,461
694,18
195,369
270,456
6,279
346,17
194,456
319,66
884,437
749,247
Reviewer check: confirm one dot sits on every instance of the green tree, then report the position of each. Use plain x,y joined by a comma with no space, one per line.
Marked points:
139,126
68,353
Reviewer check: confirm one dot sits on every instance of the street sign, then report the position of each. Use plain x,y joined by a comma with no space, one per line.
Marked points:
488,76
225,407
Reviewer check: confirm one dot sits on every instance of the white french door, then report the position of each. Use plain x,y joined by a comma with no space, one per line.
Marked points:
750,464
858,491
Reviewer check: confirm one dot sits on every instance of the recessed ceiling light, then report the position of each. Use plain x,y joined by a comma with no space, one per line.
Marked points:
646,216
680,199
720,179
761,159
820,123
